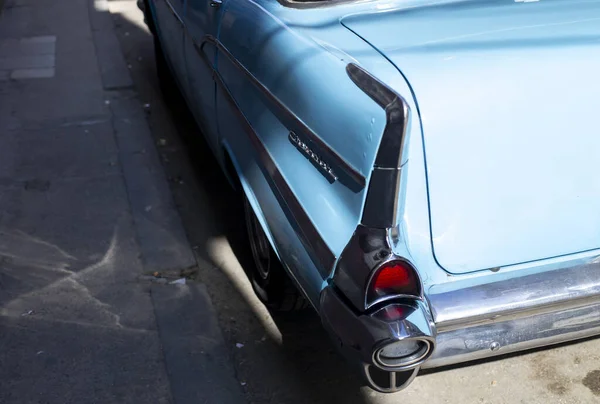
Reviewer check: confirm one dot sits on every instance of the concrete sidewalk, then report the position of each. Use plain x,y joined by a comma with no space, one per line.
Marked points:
85,215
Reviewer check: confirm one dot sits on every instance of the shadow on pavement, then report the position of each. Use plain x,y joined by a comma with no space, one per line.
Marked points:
74,320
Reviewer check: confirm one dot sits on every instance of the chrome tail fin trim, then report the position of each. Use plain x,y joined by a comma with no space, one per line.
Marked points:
370,243
382,197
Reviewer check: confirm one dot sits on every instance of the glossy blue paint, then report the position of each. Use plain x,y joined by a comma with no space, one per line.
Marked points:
312,50
498,178
490,201
201,19
506,93
304,74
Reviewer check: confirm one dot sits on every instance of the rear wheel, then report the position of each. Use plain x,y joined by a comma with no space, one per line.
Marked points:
268,277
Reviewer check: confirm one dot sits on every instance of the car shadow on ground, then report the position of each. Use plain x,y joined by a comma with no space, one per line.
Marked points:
286,358
305,352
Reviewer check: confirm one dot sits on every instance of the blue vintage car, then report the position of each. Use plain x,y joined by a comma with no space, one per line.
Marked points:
426,172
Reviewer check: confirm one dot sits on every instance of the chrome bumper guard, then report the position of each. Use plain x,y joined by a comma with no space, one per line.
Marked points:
504,313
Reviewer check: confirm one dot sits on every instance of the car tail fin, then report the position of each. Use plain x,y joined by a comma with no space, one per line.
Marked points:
370,248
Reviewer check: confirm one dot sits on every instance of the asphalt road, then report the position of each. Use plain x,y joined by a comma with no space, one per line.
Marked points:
288,359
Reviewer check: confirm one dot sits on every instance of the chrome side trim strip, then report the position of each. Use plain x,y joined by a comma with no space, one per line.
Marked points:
347,174
174,12
319,252
319,3
199,47
382,198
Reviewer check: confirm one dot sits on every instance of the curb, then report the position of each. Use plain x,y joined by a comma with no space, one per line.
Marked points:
113,68
198,362
160,234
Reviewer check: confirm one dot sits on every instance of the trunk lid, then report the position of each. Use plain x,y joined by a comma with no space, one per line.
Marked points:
508,94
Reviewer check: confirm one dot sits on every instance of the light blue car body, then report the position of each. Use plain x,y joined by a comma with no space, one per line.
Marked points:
500,172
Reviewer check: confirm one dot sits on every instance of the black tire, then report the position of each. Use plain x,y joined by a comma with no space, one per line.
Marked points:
268,277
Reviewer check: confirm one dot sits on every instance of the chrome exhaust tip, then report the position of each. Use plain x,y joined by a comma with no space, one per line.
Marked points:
410,344
402,355
397,360
389,345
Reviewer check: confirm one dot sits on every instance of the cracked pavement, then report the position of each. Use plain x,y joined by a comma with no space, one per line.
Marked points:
85,213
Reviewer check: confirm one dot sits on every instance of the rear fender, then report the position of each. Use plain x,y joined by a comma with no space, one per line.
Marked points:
239,182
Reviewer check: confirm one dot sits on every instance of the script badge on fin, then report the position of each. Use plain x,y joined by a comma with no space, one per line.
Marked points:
313,157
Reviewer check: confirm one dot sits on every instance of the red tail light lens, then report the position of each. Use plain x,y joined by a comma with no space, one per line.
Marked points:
394,278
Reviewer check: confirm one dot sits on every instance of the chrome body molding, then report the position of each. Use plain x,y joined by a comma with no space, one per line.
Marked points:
370,244
319,252
318,3
346,174
384,187
502,316
175,14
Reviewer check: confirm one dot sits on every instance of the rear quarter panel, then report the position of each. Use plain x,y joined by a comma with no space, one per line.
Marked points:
300,55
307,74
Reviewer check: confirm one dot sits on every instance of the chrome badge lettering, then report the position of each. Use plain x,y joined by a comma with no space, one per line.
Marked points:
303,147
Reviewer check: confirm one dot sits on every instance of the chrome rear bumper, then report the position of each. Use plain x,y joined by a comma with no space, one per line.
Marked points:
481,317
508,314
502,337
